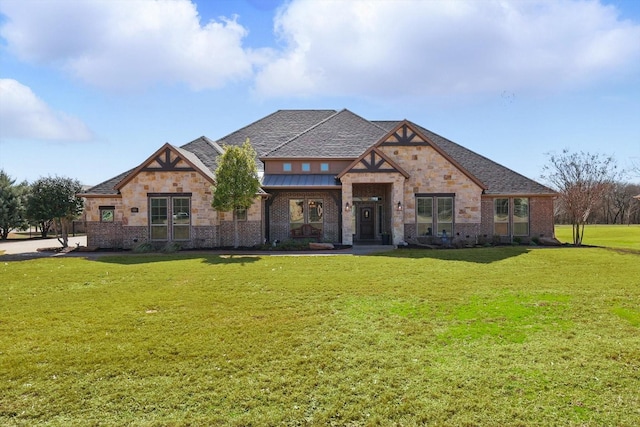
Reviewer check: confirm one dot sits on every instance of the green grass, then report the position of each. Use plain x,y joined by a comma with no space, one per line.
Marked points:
612,236
507,336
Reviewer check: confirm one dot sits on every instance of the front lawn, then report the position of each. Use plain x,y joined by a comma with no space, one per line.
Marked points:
613,236
493,336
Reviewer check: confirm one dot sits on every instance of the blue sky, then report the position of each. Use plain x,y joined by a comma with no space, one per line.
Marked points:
90,89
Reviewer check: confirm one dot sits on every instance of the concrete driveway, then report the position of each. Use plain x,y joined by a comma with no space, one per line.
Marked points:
29,247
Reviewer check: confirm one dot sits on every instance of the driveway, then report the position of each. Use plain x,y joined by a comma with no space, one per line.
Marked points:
29,247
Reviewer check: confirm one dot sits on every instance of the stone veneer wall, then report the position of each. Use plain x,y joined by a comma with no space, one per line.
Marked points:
130,228
279,214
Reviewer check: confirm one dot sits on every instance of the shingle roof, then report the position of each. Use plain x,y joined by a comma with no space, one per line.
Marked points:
331,134
497,178
271,131
343,135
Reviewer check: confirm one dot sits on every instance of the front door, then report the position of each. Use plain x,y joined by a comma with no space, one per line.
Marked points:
366,223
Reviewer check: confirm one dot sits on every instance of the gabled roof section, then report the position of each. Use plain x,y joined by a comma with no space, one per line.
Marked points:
373,160
275,129
206,150
498,179
406,133
342,135
169,159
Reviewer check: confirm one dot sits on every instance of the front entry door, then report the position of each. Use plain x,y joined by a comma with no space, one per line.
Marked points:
366,223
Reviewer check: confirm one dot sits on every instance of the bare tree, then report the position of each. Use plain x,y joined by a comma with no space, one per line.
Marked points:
582,180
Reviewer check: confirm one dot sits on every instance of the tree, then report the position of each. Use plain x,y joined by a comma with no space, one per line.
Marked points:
12,209
236,182
53,201
582,180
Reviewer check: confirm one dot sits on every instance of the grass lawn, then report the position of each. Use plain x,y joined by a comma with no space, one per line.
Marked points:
505,336
613,236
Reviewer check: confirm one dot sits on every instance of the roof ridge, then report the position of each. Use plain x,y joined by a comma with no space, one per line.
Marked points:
304,131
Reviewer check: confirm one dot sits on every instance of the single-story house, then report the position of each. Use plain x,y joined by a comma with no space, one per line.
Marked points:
327,175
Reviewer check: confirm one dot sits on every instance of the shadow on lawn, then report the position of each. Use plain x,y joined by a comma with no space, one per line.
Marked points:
137,259
475,255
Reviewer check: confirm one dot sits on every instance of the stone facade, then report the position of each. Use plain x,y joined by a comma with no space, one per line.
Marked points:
130,226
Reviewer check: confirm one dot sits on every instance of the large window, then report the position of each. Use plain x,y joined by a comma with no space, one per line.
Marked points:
181,220
501,217
520,217
309,211
170,218
434,215
511,214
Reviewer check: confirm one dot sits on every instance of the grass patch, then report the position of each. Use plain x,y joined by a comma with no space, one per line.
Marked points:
611,236
495,336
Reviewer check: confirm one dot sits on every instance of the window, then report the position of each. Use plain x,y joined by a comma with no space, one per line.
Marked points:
296,214
181,218
107,213
241,214
430,221
286,167
511,214
306,167
159,219
445,215
324,167
520,217
425,216
312,215
501,217
176,226
315,214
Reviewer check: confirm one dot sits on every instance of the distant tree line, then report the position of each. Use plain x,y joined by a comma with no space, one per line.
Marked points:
592,190
49,204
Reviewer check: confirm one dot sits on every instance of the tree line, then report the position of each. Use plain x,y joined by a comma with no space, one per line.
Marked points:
49,204
591,190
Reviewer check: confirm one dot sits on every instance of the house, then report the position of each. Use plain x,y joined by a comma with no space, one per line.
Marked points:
326,175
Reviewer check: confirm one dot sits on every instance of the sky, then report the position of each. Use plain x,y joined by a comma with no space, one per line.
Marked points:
90,89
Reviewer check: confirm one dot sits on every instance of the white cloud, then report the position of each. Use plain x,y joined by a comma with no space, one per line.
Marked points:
406,47
25,116
332,47
129,44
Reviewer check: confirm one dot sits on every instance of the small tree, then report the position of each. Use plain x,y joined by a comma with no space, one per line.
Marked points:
12,209
236,182
582,179
53,201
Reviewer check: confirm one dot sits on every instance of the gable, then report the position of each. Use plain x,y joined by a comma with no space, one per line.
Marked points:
169,159
373,160
404,135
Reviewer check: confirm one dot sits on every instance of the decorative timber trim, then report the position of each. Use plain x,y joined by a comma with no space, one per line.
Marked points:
166,164
373,160
404,136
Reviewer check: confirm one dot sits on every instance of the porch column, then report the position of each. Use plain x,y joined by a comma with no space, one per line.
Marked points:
347,197
397,216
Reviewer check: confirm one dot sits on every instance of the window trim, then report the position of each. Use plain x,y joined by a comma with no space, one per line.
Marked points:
435,213
286,167
305,167
510,217
105,209
169,225
241,214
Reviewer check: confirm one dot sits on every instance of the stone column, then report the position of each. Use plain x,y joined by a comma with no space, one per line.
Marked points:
347,197
397,216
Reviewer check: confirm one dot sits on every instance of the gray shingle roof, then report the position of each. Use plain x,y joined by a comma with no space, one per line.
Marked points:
343,135
331,134
498,179
275,129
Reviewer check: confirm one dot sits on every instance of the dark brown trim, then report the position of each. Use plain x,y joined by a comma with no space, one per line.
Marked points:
435,194
169,194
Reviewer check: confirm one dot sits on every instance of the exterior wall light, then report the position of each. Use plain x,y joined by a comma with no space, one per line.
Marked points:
347,208
399,207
